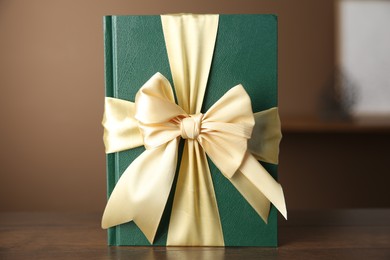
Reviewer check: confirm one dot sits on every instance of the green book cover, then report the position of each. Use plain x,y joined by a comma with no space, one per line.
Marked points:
245,53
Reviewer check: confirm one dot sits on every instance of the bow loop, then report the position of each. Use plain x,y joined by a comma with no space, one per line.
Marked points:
155,102
226,127
157,113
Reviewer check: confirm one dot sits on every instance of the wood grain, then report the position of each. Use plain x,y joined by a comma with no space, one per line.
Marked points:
343,234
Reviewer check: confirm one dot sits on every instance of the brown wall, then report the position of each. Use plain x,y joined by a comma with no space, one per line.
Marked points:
52,87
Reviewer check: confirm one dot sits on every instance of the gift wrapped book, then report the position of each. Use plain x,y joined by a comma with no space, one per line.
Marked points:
191,130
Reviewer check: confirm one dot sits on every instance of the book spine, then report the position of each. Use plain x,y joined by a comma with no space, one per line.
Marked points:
109,92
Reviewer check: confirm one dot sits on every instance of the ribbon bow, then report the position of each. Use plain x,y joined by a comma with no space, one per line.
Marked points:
157,122
222,131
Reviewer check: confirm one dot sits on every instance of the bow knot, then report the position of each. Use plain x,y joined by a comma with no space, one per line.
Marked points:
190,126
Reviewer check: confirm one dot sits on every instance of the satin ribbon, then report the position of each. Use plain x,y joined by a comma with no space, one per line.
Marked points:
156,122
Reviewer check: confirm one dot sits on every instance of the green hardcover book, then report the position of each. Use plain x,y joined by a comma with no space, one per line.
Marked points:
245,53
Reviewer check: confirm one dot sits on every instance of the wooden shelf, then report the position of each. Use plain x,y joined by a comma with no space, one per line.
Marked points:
372,124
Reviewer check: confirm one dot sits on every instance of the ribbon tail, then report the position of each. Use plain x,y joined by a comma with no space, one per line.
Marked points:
258,187
143,189
194,218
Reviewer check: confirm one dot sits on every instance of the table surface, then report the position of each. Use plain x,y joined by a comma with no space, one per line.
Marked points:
337,234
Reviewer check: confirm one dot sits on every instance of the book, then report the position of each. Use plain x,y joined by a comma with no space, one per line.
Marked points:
245,53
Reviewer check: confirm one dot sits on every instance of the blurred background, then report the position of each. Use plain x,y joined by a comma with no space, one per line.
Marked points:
335,151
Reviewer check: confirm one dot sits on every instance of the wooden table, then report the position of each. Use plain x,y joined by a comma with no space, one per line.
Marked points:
342,234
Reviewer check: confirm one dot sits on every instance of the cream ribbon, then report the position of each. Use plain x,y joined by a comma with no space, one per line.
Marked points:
155,121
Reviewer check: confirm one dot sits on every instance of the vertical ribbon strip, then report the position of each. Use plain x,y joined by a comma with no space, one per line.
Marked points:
155,121
190,41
